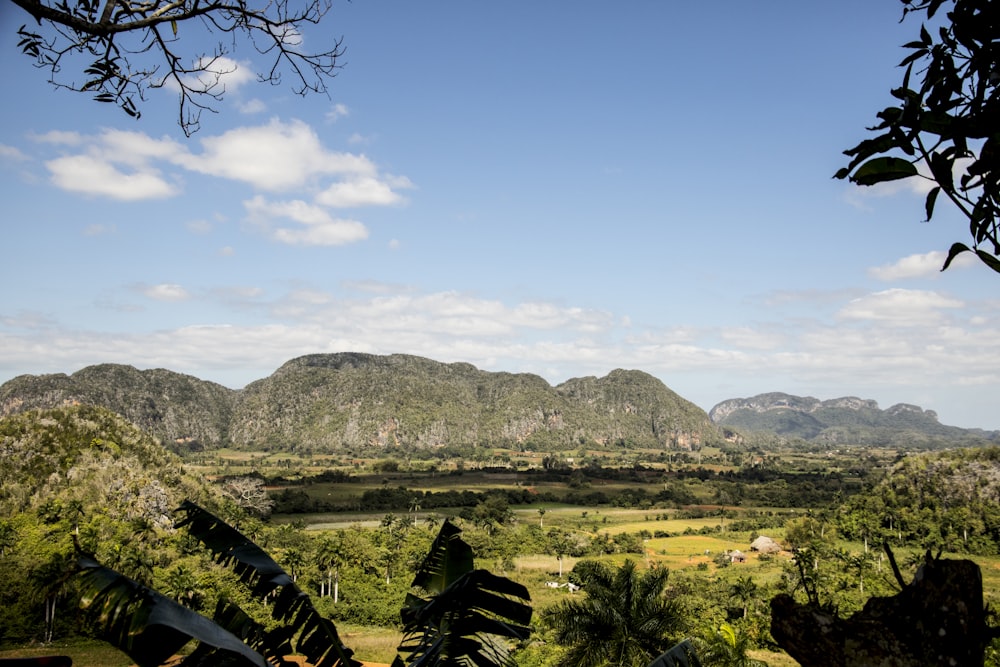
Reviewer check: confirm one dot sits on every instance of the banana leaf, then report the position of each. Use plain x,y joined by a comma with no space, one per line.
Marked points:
317,637
681,655
149,627
468,614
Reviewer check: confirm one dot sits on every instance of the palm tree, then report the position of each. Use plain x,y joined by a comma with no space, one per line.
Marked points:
466,619
329,558
744,590
150,627
181,585
727,648
625,620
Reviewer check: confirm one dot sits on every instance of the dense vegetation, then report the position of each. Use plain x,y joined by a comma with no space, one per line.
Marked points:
85,473
847,420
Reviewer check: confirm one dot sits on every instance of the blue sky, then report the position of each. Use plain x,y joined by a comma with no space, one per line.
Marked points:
555,188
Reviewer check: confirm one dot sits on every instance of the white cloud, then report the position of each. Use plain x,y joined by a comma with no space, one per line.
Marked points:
900,306
252,106
273,157
277,156
260,209
367,191
135,148
90,175
166,292
59,137
337,111
11,154
319,228
873,351
753,338
925,265
221,74
333,233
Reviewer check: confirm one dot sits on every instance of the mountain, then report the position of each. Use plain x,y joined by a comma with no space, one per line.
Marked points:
844,420
351,402
183,411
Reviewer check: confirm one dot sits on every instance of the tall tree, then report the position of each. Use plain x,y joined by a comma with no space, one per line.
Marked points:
124,48
626,618
727,647
945,128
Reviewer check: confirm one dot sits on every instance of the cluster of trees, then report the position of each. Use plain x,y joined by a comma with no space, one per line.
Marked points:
948,501
583,487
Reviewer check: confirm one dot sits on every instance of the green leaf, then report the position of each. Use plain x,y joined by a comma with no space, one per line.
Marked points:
929,203
955,250
317,636
942,171
882,169
469,614
147,626
988,259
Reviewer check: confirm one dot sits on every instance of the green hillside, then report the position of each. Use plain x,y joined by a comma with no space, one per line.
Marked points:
362,403
847,420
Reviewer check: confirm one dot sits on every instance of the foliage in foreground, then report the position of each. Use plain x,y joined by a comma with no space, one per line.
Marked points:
626,617
464,618
944,127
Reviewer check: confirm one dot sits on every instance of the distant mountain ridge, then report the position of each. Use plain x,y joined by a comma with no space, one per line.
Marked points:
362,403
843,420
352,402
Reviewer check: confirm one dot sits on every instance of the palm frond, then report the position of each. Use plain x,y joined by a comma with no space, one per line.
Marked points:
150,627
681,655
317,637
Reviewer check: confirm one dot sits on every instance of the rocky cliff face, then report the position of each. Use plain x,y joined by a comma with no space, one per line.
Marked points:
183,411
843,420
351,402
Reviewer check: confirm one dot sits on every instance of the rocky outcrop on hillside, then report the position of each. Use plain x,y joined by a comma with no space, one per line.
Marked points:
846,420
184,412
353,402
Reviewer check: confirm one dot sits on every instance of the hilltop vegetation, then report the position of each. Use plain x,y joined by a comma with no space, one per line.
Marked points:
80,473
844,421
362,404
358,403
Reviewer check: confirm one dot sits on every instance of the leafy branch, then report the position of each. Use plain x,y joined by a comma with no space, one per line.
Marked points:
944,128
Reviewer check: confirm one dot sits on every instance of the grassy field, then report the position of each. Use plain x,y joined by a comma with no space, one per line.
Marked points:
84,653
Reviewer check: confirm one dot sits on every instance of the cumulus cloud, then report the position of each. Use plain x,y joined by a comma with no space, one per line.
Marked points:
11,154
58,137
924,265
872,349
252,106
273,157
285,157
365,191
92,175
900,306
220,74
337,111
316,226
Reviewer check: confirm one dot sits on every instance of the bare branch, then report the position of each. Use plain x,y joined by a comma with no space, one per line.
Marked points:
123,36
